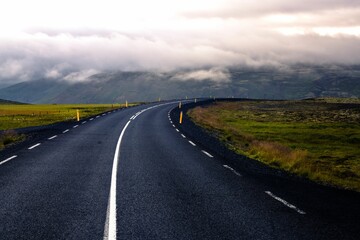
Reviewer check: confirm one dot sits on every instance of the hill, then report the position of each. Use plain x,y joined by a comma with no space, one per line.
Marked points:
294,82
8,102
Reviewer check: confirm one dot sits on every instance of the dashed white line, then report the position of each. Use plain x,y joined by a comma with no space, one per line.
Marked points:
50,138
75,126
66,131
183,135
8,159
233,170
208,154
285,202
192,143
97,116
177,129
91,119
104,114
173,125
34,146
83,122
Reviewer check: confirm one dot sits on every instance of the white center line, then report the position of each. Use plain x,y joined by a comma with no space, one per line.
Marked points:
97,116
285,202
83,122
8,159
34,146
173,125
233,170
75,126
177,129
183,135
192,143
52,137
91,119
66,131
208,154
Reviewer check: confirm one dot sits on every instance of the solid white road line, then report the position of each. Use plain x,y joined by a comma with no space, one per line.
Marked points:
75,126
233,170
52,137
110,226
192,143
183,135
66,131
8,159
285,202
208,154
34,146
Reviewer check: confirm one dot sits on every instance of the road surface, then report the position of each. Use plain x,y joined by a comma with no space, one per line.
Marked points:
132,174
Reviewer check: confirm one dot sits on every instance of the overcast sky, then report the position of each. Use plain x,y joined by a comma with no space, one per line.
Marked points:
73,39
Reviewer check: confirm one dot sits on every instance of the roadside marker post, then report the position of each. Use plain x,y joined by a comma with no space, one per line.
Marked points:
126,103
181,117
77,115
179,105
195,100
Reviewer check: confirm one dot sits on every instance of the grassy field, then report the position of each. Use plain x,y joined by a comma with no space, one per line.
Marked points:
318,139
14,116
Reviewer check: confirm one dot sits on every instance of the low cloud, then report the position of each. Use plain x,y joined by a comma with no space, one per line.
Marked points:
214,74
205,36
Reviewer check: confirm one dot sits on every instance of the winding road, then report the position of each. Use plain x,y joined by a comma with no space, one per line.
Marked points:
133,174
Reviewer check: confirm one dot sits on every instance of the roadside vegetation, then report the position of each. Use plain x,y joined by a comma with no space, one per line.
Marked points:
316,138
19,116
9,137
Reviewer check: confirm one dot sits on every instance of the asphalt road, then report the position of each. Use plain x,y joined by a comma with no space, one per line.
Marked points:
132,174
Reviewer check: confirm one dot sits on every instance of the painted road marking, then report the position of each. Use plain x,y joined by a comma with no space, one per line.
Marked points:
285,202
97,116
233,170
75,126
110,225
183,135
177,129
91,119
66,131
8,159
192,143
208,154
52,137
83,122
34,146
173,125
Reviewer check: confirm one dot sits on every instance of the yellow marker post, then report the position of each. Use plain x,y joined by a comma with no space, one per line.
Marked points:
181,117
179,104
126,103
77,115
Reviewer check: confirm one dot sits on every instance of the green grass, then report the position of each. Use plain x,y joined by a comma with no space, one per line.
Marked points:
318,139
19,116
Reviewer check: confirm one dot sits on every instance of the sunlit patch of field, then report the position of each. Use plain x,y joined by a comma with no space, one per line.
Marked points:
19,116
318,138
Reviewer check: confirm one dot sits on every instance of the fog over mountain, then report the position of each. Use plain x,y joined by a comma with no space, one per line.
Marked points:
182,41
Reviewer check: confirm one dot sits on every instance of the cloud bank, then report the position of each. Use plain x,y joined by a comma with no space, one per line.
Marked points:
71,41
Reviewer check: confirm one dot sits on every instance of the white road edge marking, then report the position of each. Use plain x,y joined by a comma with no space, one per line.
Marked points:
192,143
208,154
52,137
285,202
8,159
66,131
233,170
34,146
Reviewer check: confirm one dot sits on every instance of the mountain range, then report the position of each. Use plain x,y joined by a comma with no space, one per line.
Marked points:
294,82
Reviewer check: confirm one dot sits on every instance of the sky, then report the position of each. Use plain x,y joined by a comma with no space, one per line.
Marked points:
73,39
